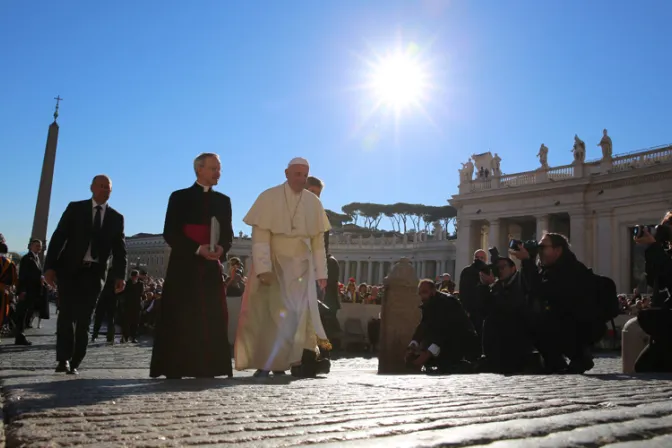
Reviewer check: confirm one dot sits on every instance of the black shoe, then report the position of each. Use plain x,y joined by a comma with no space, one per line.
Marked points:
21,340
279,372
93,339
63,366
73,371
134,341
261,374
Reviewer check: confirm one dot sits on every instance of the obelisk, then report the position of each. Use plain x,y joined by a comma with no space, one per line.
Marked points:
44,193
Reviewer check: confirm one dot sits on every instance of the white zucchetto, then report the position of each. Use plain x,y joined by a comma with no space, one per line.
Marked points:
298,161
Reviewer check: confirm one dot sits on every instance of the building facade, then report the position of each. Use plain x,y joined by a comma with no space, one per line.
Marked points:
368,260
595,204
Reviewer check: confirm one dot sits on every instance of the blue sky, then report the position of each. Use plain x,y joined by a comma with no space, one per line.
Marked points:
149,85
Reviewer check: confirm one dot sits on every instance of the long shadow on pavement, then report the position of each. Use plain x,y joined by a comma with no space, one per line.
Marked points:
73,392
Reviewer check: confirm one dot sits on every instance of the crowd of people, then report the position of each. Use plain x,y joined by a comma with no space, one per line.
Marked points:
542,317
545,316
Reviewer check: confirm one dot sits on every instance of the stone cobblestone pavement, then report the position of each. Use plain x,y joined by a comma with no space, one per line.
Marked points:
113,403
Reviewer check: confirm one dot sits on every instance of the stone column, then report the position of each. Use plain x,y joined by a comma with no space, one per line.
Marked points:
603,244
381,273
464,251
400,315
577,231
369,272
542,226
346,272
423,267
493,234
439,267
358,272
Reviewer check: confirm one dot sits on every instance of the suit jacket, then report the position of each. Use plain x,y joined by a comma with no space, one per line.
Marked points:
30,276
72,238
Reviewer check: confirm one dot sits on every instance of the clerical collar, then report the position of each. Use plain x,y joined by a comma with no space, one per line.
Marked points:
288,188
95,204
205,189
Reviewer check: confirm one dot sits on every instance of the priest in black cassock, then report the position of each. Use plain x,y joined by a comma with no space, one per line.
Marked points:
191,334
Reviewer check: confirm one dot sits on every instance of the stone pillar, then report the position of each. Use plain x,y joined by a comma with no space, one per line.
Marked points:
439,267
542,226
400,316
604,244
358,272
493,234
381,273
369,272
346,272
577,232
463,252
423,268
41,218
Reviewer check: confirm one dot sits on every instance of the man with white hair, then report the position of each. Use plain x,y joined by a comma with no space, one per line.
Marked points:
279,318
191,337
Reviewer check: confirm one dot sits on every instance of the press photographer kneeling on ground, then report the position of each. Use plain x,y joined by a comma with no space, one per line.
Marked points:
444,341
569,320
657,320
507,335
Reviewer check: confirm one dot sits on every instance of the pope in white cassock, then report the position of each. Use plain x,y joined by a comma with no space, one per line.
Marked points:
279,324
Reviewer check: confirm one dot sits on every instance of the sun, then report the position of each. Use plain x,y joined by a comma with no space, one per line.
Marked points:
399,80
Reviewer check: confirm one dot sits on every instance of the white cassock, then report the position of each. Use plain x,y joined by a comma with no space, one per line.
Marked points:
278,321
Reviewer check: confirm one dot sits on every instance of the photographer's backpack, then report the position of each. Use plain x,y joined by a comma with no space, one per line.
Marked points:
606,299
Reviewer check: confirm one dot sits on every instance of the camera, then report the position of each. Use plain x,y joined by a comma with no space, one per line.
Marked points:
492,267
239,272
661,233
531,246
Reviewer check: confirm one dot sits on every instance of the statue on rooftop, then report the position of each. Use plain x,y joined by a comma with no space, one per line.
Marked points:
543,155
495,164
605,144
579,149
467,171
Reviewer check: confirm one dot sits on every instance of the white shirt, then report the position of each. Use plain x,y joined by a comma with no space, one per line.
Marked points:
103,208
37,259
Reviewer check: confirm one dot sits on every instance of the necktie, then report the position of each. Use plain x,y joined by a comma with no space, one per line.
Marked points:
95,234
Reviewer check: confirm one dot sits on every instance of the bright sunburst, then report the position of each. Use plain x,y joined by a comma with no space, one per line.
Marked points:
399,81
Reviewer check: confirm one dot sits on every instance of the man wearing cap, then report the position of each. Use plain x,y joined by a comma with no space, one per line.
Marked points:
279,316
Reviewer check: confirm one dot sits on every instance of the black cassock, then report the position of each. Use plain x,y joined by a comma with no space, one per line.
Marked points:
191,334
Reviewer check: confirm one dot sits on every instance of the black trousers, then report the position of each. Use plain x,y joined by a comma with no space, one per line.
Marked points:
106,310
23,312
131,318
78,294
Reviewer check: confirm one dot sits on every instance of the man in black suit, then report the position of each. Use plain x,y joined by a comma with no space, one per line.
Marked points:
445,340
30,289
88,233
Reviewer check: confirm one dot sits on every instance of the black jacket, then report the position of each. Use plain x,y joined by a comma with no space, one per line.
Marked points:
30,276
72,238
445,324
658,270
565,288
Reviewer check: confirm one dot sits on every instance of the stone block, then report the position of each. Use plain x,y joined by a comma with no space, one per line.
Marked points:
399,317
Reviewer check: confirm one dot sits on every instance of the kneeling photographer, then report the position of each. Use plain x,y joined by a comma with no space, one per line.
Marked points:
507,337
567,322
657,320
